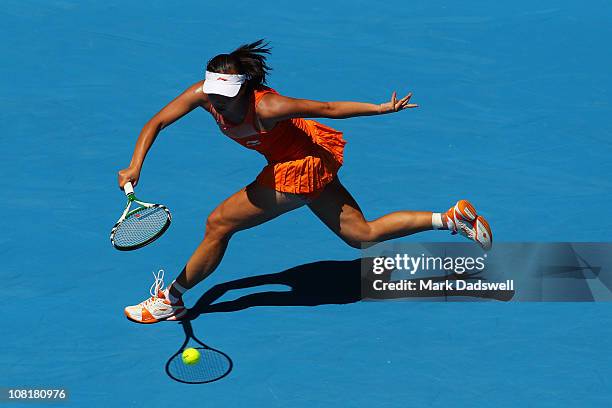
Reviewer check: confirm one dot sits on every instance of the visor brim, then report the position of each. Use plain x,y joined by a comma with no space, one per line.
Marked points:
220,88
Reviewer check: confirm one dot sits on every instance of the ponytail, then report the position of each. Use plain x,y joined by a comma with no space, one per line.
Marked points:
248,59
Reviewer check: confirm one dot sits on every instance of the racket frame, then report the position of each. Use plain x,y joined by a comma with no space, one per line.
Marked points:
131,198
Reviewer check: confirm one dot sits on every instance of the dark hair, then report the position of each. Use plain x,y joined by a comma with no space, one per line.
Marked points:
248,59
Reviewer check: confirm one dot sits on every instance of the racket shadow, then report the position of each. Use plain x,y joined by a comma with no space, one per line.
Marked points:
317,283
212,366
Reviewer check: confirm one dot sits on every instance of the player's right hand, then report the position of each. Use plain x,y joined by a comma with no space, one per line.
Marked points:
131,174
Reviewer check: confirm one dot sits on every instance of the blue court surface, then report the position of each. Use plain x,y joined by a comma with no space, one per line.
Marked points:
514,114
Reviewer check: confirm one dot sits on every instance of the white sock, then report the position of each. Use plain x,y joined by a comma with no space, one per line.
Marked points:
436,221
177,288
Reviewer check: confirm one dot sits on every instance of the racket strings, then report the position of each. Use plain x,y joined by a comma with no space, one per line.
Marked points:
141,226
213,365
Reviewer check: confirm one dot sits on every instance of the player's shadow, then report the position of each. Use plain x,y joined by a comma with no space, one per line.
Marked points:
320,283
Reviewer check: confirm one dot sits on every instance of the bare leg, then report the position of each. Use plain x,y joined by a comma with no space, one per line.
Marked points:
251,206
340,212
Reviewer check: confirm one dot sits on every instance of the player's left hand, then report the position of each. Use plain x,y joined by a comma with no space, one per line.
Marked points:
397,105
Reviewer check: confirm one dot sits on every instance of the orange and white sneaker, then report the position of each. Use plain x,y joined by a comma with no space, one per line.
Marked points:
463,219
157,307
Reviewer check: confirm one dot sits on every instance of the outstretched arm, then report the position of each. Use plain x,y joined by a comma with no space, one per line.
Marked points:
179,107
275,107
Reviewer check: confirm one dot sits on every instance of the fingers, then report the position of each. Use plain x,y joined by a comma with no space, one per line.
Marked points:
123,177
130,174
404,102
397,105
407,97
122,182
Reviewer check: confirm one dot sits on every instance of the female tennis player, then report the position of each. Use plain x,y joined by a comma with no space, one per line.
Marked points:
303,156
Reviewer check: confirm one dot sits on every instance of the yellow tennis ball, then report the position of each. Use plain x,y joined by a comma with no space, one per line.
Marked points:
191,356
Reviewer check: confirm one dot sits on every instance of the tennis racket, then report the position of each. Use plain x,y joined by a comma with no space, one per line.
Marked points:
212,366
139,226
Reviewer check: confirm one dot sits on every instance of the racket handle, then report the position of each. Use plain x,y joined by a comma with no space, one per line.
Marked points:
128,188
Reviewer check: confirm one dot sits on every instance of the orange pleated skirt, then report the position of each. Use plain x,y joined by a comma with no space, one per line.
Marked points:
309,174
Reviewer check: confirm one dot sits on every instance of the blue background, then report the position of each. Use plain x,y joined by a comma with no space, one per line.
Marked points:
514,115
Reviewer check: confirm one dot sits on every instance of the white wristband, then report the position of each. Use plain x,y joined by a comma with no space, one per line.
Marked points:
436,221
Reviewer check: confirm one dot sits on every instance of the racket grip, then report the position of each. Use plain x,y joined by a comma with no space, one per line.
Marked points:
128,188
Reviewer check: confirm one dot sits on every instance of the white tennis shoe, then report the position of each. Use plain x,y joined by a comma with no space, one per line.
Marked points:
463,219
156,308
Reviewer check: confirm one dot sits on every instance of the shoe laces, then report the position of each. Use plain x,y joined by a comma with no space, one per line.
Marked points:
156,287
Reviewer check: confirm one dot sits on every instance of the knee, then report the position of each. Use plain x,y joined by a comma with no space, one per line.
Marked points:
218,226
360,238
352,243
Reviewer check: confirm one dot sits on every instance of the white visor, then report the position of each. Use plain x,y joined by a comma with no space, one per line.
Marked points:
223,84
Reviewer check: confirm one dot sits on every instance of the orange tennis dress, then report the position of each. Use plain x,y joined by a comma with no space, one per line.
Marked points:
303,155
